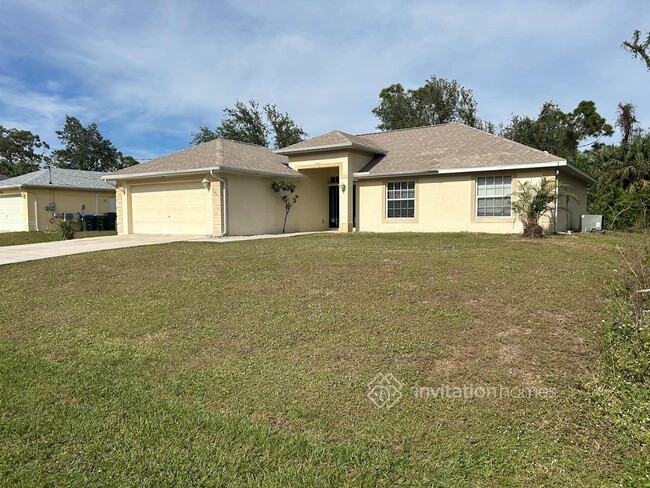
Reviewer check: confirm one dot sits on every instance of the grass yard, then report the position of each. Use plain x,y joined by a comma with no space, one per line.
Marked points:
247,363
16,238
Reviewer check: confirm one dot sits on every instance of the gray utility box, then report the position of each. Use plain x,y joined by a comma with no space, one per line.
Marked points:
591,223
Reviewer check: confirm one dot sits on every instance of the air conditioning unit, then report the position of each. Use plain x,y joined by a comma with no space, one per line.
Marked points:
71,217
591,223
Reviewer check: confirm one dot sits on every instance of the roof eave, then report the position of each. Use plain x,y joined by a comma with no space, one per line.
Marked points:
222,169
57,187
480,169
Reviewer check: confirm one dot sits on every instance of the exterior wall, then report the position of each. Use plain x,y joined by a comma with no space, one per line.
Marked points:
569,210
252,206
444,203
76,201
346,163
311,212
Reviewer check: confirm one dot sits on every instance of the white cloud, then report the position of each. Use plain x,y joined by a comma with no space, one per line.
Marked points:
150,72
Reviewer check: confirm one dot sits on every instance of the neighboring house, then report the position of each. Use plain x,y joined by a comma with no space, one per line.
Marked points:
35,201
444,178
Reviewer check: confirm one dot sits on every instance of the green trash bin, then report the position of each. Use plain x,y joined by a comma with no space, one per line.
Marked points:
100,222
87,222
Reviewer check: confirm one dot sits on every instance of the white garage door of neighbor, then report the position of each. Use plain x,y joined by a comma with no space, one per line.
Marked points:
171,208
11,213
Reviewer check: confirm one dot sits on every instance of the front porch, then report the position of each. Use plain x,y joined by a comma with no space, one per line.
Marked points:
330,194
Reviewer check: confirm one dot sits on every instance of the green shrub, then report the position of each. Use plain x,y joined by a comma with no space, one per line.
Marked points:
66,229
620,391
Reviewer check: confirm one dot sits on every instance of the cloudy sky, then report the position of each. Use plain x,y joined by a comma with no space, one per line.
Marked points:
149,73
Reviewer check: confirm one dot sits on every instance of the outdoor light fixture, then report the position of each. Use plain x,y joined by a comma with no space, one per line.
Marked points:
206,183
342,187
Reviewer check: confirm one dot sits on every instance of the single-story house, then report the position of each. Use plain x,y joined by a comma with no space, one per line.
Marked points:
444,178
38,200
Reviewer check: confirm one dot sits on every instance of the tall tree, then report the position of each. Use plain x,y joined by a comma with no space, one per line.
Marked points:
558,132
626,121
20,152
85,148
252,124
638,48
284,129
438,101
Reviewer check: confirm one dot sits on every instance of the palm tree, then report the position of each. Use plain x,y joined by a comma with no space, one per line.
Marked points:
635,172
533,200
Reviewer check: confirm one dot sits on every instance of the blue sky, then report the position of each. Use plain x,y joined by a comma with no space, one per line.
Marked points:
149,73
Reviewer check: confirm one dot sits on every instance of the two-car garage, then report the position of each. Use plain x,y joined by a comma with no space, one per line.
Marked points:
170,208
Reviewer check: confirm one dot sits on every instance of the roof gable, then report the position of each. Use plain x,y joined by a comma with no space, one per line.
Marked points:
335,139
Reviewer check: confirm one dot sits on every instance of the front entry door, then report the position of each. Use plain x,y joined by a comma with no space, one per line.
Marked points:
334,207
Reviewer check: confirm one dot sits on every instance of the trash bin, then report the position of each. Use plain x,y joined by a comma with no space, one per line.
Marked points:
87,222
110,221
100,222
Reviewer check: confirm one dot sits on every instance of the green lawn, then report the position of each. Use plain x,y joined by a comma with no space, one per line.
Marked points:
247,363
16,238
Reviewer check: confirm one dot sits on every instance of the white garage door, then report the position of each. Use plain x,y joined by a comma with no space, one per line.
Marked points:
11,213
171,208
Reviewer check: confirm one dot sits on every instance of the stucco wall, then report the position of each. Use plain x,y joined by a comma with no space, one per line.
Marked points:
337,163
95,202
444,203
570,210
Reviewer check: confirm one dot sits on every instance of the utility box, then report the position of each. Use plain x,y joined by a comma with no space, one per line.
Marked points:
591,223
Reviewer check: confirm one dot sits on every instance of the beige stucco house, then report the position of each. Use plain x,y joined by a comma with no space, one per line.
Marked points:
445,178
37,200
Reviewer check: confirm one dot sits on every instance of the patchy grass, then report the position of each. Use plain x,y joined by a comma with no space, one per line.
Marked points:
17,238
247,363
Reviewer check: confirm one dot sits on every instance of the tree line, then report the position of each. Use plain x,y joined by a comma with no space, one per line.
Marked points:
83,147
622,169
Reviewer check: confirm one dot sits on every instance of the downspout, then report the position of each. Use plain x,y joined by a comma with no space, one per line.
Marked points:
20,187
224,202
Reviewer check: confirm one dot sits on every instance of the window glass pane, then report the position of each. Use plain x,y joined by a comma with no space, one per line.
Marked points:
493,196
400,199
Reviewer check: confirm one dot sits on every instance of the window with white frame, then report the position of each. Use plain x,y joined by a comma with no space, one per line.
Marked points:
400,199
494,196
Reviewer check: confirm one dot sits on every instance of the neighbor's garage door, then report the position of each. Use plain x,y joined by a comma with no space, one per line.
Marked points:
11,213
171,208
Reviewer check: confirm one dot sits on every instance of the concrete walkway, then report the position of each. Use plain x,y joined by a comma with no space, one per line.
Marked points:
43,250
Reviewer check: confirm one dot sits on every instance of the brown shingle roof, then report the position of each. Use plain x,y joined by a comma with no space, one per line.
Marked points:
428,149
219,154
448,146
333,140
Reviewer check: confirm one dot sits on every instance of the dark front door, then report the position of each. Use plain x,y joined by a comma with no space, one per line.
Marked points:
334,207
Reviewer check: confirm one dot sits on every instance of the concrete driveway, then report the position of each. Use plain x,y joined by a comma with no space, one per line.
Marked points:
43,250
